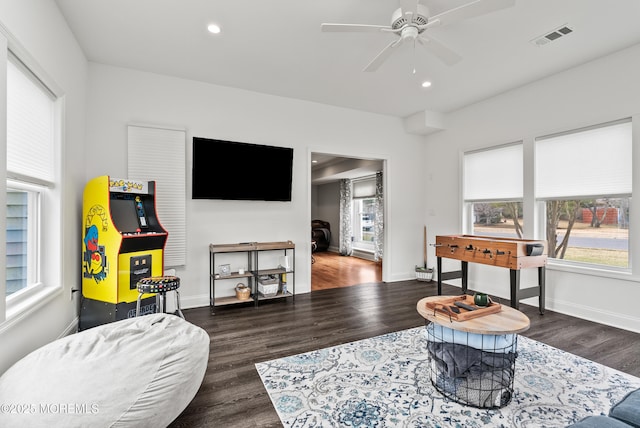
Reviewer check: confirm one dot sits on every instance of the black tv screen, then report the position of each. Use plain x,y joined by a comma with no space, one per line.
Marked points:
241,171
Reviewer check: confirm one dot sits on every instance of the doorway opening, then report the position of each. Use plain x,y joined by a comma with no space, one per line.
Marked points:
347,206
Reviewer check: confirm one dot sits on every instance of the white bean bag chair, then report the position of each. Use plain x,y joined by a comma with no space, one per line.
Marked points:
138,372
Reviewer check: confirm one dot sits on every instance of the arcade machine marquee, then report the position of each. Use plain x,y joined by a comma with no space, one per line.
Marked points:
122,242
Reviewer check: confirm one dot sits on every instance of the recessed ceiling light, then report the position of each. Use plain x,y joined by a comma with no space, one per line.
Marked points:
213,28
314,161
426,84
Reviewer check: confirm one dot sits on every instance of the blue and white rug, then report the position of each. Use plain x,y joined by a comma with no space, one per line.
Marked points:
384,382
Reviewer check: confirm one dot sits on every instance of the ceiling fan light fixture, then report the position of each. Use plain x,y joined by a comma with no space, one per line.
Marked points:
399,20
409,33
412,20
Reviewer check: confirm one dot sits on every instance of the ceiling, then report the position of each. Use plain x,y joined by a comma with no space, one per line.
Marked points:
328,168
276,47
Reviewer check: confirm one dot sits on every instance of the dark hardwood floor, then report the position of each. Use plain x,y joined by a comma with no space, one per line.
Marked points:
232,394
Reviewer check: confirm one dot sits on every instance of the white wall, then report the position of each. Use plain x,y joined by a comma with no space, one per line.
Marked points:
41,30
597,92
118,96
328,209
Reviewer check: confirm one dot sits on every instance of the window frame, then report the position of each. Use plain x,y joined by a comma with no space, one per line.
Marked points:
540,205
534,208
34,245
363,188
469,215
49,225
541,209
356,218
467,204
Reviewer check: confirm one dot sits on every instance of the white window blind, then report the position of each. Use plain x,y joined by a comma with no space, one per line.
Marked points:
591,162
30,126
158,154
493,174
364,188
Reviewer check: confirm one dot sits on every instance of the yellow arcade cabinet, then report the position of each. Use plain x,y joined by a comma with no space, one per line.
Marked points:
122,242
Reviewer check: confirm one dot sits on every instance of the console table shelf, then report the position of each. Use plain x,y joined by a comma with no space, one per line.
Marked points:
277,296
229,300
286,288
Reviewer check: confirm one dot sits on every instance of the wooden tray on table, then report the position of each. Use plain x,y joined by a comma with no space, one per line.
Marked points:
443,306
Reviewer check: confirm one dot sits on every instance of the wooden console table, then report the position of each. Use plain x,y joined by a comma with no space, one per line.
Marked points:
514,254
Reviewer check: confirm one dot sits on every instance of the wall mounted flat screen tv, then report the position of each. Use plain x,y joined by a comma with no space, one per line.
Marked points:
241,171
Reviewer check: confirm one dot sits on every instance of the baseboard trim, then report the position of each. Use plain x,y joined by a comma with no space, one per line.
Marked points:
572,309
366,255
589,313
192,302
72,328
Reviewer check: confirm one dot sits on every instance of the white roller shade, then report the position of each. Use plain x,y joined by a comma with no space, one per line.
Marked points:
157,154
364,188
493,174
30,126
591,162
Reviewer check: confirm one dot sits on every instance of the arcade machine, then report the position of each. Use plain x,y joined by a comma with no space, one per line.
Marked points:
122,242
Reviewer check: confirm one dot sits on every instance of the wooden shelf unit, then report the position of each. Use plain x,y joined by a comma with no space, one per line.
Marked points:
253,272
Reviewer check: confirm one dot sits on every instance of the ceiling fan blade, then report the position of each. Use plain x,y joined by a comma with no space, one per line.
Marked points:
382,56
470,10
445,54
409,7
354,28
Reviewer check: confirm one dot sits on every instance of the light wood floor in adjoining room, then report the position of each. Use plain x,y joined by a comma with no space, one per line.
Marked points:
331,270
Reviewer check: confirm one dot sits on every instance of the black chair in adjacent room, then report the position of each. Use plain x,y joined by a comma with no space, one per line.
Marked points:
321,234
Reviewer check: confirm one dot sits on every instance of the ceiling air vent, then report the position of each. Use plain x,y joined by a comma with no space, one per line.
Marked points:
552,35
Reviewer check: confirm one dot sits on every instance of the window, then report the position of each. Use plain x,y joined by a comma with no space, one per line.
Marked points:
493,191
22,212
364,218
32,127
364,213
17,229
583,189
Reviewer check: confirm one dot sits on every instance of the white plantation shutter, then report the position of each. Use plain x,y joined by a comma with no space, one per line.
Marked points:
590,162
159,154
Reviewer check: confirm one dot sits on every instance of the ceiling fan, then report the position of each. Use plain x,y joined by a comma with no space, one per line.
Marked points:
410,22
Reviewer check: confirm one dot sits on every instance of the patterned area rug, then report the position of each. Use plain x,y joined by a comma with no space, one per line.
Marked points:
384,382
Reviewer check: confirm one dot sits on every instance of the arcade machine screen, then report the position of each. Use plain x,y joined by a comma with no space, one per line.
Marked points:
124,213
